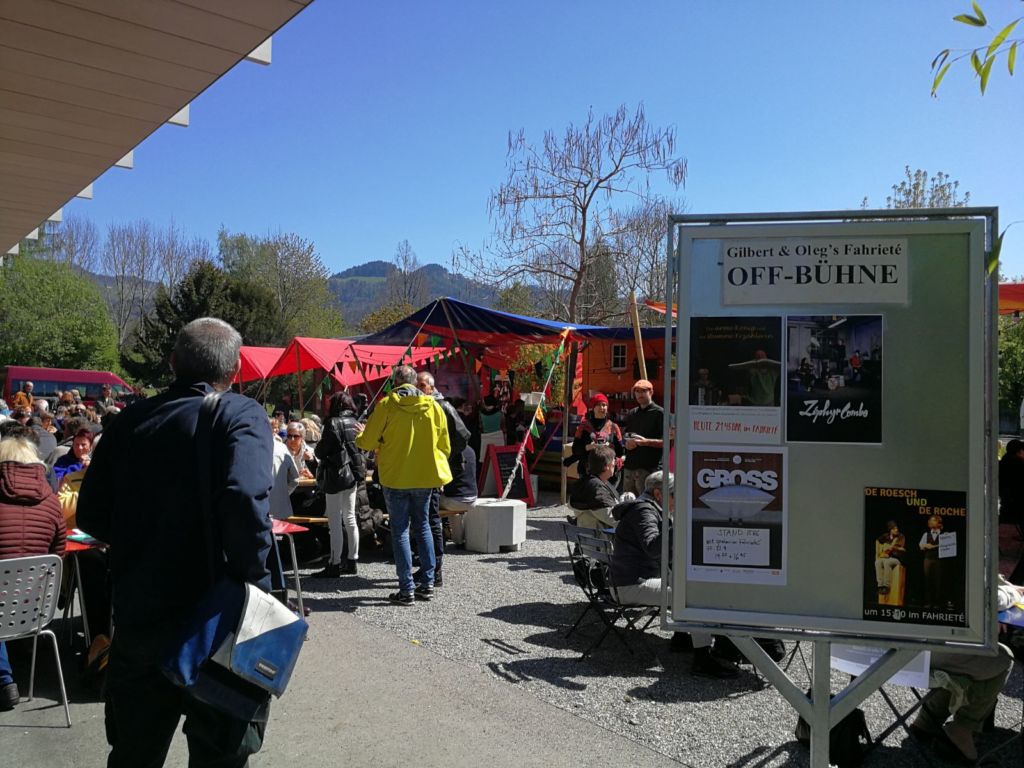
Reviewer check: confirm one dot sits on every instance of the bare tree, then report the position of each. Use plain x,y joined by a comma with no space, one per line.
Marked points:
77,243
558,200
919,190
175,252
128,259
405,283
639,246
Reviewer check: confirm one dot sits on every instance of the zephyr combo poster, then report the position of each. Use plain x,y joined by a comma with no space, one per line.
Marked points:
834,379
737,515
915,556
736,387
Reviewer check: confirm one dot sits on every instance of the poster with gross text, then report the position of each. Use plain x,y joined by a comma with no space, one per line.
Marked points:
736,380
736,515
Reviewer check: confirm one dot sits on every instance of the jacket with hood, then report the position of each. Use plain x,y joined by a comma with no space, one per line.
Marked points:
31,521
636,554
458,434
411,432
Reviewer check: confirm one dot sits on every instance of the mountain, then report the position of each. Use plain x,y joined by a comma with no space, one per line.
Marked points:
360,289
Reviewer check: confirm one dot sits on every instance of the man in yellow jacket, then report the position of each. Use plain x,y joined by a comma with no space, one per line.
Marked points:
410,432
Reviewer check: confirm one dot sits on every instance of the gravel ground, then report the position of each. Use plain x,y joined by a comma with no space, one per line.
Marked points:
507,614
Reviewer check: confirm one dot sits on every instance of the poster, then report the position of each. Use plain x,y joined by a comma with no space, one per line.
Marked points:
736,388
834,379
736,513
914,556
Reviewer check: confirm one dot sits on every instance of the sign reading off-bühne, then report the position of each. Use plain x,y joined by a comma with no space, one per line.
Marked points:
815,270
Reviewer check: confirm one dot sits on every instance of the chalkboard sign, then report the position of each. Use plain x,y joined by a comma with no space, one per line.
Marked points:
499,462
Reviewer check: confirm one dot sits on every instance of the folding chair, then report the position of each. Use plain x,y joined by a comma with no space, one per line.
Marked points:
581,570
597,548
28,601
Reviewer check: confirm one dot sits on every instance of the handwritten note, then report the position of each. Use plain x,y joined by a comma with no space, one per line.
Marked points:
947,545
736,546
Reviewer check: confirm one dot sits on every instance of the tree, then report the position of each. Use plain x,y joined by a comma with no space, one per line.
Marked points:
204,291
382,317
53,318
919,190
983,57
405,284
558,200
641,253
1011,363
517,299
291,268
128,258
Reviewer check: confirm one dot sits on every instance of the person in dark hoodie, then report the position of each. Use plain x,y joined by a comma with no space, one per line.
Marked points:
593,496
636,566
409,431
458,436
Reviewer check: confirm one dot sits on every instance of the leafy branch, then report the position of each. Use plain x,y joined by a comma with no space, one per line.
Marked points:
983,57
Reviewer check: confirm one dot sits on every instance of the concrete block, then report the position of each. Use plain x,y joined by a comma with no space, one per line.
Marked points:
492,524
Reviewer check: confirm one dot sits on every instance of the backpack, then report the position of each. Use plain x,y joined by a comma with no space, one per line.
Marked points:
847,741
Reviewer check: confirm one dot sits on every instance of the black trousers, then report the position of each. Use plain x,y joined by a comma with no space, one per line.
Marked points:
143,709
436,529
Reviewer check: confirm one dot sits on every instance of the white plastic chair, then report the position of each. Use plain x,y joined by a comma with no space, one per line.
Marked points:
28,600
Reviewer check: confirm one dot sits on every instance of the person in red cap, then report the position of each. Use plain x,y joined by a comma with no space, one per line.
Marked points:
644,430
594,430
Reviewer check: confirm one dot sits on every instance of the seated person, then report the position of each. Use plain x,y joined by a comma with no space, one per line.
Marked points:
460,494
78,457
967,687
636,566
301,454
593,496
31,523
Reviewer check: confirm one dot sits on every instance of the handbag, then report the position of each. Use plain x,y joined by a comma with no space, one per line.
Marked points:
240,645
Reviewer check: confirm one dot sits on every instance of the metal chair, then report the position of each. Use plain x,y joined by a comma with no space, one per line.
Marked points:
595,547
28,601
583,570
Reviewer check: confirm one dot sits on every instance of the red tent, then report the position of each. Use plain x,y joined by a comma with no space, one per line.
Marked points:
257,362
304,354
1011,298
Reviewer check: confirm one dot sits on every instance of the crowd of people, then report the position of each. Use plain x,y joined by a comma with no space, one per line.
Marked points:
413,454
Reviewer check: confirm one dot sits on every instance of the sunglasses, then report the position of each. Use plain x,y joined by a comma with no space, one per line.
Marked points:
291,436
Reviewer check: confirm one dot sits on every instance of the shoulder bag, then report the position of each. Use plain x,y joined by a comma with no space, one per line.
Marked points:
240,645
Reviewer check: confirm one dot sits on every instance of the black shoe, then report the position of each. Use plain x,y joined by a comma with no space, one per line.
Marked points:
348,568
401,598
775,649
726,650
9,697
294,608
424,592
332,571
681,642
438,581
706,664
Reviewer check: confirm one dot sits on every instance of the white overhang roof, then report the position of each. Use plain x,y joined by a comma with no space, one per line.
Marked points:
82,82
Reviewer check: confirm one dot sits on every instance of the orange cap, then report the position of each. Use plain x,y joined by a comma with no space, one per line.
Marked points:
643,384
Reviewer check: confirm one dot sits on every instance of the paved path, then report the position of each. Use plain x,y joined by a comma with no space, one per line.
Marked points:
360,697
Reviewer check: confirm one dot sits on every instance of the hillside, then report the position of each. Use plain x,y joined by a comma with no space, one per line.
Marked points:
360,289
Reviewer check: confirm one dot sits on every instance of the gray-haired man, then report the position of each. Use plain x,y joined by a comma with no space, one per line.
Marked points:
141,495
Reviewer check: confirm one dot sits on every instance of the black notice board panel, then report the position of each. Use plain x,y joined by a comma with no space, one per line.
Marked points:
501,461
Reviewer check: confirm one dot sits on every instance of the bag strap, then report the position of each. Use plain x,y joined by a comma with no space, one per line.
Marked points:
204,458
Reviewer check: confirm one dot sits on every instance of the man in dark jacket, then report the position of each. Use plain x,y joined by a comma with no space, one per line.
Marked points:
643,432
636,565
142,496
458,434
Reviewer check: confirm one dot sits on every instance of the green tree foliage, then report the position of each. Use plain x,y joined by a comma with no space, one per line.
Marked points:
290,268
516,298
383,316
53,318
1011,363
982,58
204,291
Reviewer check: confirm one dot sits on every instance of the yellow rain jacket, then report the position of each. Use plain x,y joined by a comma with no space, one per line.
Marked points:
411,432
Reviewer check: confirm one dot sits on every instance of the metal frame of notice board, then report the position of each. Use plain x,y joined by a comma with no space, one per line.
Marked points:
913,289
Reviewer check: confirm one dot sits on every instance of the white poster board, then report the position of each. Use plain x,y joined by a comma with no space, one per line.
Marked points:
861,351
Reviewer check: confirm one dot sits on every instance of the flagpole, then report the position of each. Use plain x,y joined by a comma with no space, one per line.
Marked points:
533,421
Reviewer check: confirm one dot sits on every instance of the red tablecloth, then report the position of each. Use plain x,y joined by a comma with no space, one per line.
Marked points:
282,527
71,547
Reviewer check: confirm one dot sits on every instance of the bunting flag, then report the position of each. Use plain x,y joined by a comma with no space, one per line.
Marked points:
477,365
325,383
354,366
420,340
435,340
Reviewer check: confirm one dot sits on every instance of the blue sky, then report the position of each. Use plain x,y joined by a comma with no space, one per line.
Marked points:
380,122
